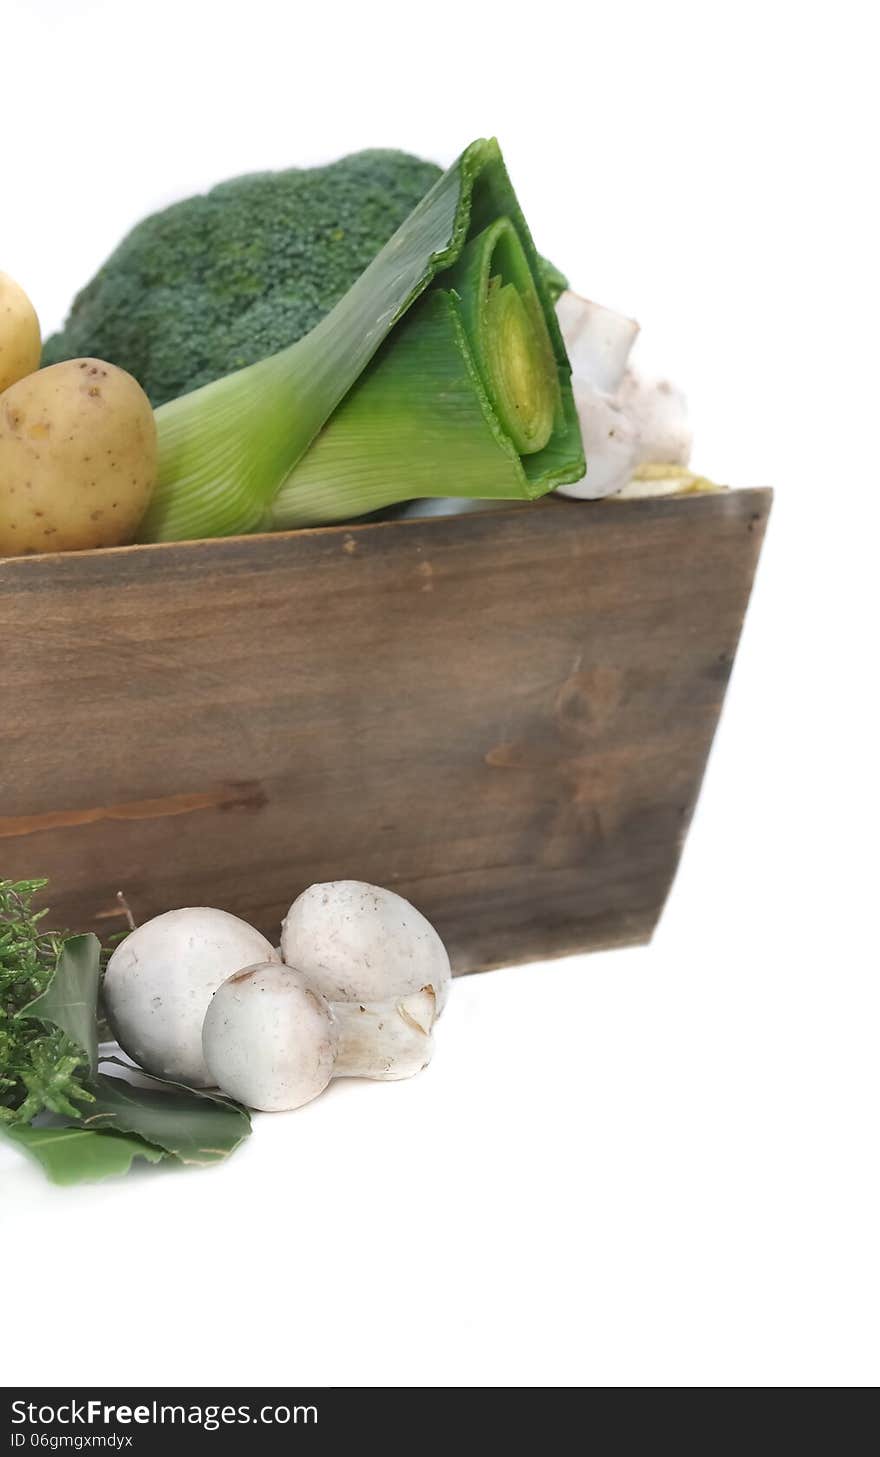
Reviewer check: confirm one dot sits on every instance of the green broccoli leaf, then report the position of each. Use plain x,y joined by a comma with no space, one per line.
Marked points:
196,1128
554,281
77,1155
70,1001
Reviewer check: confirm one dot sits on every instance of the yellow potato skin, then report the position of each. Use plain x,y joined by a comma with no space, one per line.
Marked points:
19,333
77,458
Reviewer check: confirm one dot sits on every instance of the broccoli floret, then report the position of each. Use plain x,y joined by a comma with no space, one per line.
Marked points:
217,282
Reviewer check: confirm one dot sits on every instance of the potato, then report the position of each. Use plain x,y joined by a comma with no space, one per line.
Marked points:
19,333
77,458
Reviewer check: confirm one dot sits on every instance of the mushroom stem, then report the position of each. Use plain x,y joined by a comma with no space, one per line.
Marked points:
386,1040
272,1040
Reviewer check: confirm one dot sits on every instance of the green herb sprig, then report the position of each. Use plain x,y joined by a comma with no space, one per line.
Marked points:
41,1067
57,1103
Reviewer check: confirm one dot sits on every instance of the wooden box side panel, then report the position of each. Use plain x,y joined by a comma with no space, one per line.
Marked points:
505,717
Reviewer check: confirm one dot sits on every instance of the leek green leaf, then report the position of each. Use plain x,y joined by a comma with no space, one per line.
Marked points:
234,456
76,1155
508,334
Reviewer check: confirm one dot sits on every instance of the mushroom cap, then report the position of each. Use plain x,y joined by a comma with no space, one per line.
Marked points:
160,981
269,1038
359,943
659,413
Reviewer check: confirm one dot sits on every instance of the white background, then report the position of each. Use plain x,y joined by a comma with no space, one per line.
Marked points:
656,1166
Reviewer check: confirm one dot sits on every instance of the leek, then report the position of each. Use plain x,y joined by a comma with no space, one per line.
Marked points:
441,372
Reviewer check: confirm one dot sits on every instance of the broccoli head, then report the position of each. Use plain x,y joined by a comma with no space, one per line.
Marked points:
219,281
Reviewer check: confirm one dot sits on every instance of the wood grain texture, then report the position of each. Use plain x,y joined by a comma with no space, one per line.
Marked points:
505,717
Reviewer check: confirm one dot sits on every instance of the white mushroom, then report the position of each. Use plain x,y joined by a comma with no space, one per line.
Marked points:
272,1041
626,419
657,410
160,981
359,943
598,341
611,444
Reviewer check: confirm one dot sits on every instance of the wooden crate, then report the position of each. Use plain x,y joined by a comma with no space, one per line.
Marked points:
503,716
